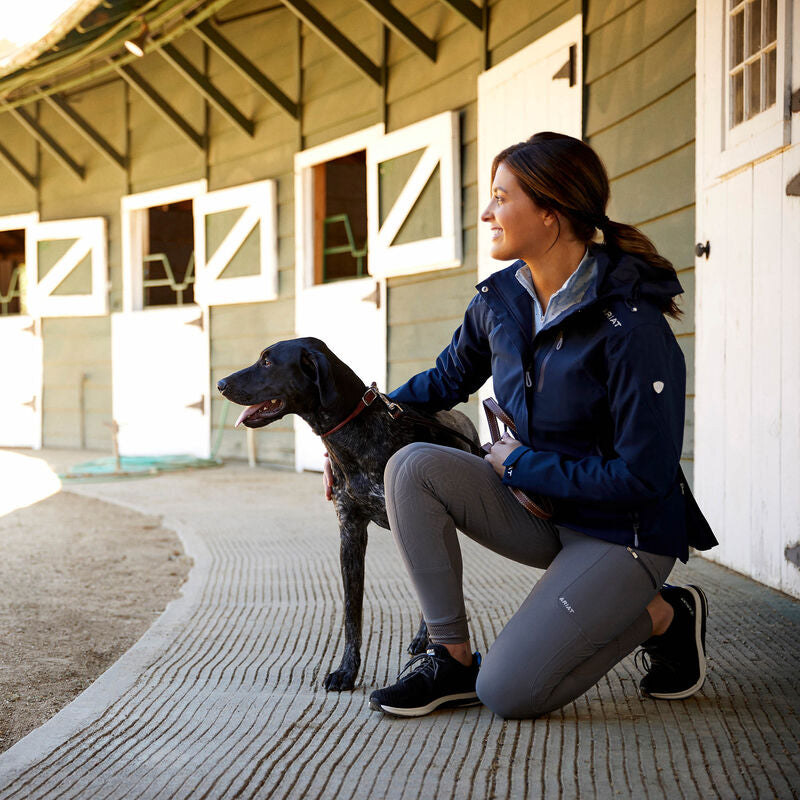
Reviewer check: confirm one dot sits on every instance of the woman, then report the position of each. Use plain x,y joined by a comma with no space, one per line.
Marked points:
583,360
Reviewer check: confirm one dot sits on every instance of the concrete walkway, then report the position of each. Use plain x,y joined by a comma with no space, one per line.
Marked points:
222,697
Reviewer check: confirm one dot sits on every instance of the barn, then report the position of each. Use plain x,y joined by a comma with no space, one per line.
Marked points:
185,181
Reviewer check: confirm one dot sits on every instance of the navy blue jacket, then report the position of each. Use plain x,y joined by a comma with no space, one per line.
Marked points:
597,397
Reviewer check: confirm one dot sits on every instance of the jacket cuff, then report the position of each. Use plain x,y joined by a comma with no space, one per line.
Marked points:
511,462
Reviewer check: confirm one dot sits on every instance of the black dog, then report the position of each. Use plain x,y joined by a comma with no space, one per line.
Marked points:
303,377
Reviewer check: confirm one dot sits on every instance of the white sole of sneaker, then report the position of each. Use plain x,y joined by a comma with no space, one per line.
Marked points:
701,603
448,701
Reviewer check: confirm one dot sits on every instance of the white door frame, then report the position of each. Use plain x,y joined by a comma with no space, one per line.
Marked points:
134,233
28,222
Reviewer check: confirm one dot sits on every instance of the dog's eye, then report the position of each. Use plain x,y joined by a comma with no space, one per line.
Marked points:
265,362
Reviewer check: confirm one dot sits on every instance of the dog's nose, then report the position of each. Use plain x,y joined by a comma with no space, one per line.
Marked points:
222,385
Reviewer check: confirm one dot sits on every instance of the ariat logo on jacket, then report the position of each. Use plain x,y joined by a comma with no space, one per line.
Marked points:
612,319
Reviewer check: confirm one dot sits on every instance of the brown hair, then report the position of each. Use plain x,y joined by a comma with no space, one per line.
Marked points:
563,174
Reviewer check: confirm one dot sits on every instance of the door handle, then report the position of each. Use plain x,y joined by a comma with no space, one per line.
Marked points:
200,405
196,322
701,249
374,296
31,403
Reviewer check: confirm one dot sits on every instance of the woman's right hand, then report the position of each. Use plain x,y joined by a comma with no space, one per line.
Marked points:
327,478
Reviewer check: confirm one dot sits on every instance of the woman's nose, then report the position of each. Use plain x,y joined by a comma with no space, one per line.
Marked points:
487,214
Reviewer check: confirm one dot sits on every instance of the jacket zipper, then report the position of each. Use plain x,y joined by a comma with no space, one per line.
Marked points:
635,524
557,346
643,566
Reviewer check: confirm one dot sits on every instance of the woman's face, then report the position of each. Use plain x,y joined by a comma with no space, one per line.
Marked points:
519,228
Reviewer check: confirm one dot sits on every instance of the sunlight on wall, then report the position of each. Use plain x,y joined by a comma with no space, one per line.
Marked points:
24,481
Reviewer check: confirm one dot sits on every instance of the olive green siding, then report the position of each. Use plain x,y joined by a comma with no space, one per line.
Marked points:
76,402
639,65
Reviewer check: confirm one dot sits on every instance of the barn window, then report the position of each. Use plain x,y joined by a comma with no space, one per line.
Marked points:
340,218
168,268
752,58
12,272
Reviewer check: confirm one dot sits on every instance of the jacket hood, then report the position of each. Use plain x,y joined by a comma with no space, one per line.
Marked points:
630,276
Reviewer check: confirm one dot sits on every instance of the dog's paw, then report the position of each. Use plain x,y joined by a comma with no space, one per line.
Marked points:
419,644
341,680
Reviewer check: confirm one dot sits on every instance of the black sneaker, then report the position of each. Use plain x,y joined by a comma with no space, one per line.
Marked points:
675,661
437,680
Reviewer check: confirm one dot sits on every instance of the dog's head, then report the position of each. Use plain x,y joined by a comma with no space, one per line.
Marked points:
290,377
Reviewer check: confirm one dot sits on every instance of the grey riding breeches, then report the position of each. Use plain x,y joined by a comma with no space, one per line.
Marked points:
584,615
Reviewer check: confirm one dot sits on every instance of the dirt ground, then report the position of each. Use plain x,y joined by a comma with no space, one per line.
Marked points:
80,582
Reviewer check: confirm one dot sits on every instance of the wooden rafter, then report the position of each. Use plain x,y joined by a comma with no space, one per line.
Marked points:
403,27
246,68
48,142
165,109
207,89
96,139
16,167
468,10
335,38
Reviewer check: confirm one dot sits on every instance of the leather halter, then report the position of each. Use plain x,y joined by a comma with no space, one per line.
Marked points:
367,399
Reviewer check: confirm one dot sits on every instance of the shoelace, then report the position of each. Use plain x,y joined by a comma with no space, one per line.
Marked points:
651,657
428,662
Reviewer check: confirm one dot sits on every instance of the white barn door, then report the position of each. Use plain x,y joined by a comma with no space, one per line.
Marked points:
536,89
20,349
160,376
747,425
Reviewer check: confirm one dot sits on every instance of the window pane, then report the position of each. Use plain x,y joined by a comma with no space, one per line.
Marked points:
737,98
753,27
753,88
771,21
737,39
770,70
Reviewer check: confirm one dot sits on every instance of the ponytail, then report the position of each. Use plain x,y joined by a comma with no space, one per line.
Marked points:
621,238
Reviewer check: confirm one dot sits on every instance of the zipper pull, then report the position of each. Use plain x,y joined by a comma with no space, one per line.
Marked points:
528,381
635,555
635,534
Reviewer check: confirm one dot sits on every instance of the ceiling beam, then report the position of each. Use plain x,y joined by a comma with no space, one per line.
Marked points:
15,166
335,38
403,27
48,142
246,68
468,10
96,139
207,89
137,82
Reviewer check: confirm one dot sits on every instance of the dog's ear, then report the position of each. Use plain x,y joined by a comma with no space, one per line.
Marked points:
316,366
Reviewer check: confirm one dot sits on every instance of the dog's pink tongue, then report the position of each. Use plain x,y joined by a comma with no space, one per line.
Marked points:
248,412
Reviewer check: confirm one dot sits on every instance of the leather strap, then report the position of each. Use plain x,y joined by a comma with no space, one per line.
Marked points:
538,505
367,399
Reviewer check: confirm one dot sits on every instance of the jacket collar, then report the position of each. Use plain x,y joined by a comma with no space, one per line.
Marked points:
627,277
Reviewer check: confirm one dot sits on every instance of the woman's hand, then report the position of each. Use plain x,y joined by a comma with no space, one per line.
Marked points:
327,477
500,452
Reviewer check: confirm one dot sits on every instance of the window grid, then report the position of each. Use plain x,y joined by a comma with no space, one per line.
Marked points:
752,58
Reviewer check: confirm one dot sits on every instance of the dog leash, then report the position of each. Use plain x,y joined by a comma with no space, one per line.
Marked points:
396,411
538,505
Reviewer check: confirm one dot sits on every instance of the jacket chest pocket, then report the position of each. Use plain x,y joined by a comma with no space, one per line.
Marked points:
567,395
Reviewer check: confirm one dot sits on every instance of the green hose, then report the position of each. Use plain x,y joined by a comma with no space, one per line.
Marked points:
105,469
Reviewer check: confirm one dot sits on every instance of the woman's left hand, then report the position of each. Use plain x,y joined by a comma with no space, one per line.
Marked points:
500,452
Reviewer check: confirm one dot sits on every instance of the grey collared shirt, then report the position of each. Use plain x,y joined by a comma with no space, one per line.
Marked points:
570,294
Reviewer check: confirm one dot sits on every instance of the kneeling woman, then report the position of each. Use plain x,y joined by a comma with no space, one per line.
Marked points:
574,336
